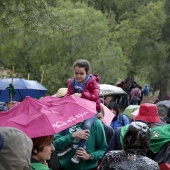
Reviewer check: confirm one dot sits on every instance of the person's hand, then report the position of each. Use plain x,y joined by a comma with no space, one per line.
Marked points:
77,94
81,153
81,134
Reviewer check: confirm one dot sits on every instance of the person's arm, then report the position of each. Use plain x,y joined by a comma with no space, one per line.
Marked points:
139,94
70,87
92,92
100,140
60,142
125,120
96,144
132,93
111,145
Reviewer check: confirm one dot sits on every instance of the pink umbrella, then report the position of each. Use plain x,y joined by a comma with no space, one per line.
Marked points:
49,115
27,105
134,113
108,116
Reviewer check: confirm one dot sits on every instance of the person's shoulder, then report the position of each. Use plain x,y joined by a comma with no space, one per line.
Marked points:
95,77
124,116
151,164
70,80
39,166
115,153
108,128
97,123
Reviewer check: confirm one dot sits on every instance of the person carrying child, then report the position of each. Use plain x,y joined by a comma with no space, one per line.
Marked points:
84,85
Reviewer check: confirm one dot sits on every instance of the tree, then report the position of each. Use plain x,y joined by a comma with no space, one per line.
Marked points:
71,31
139,33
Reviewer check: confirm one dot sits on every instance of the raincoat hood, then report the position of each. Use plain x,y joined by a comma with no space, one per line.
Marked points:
136,140
15,149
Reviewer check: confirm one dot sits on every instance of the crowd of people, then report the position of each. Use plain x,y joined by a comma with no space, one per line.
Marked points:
135,93
91,144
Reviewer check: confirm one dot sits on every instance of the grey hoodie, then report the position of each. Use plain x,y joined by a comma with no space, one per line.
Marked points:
15,149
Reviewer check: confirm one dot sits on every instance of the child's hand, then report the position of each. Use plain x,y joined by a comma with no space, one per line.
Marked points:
81,134
77,94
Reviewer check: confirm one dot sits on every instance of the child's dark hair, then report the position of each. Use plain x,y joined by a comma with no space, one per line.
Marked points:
82,63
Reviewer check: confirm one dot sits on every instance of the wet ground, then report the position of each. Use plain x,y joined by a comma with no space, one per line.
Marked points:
148,99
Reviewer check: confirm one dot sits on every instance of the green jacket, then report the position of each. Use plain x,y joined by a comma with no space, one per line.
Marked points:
39,166
160,135
96,146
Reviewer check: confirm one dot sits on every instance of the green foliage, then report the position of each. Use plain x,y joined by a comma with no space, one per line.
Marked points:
119,38
73,31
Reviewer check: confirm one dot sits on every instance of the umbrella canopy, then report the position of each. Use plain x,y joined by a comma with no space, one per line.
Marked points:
164,102
107,89
22,88
130,109
4,91
47,116
134,113
108,115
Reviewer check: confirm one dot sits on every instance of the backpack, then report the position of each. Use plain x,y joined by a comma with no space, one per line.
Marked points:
134,97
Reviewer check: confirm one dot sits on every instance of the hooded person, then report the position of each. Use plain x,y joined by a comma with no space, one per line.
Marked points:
15,149
145,90
133,156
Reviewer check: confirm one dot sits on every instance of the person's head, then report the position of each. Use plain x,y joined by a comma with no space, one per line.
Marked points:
42,148
148,113
137,139
134,83
15,149
145,85
81,70
162,111
113,106
167,118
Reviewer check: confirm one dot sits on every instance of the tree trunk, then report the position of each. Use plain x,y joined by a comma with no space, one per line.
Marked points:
129,79
165,81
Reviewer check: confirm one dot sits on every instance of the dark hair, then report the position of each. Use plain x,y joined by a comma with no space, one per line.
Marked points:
82,63
115,106
40,142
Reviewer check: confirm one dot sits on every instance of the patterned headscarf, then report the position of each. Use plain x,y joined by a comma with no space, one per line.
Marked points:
137,138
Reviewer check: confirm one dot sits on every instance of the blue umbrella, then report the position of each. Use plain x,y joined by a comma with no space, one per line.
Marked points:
4,91
22,89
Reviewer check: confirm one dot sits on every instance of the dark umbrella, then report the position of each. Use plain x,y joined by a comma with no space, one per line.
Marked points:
22,89
164,102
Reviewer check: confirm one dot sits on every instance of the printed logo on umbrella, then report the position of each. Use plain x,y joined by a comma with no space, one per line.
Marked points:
70,119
